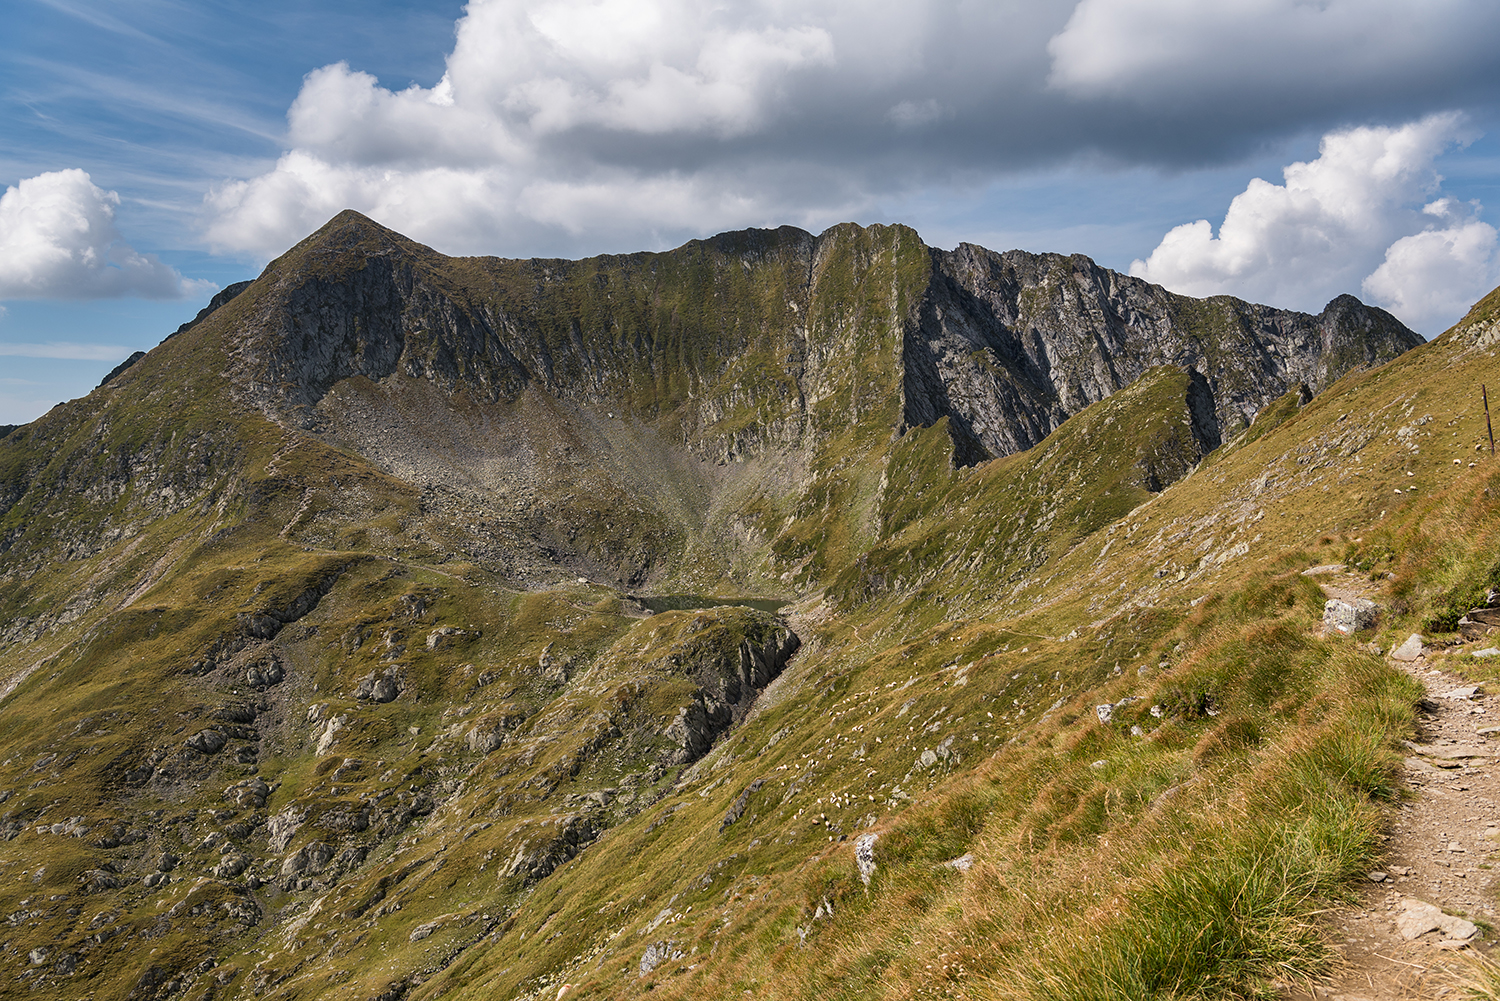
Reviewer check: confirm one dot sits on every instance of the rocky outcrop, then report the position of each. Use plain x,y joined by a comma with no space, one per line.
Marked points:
727,686
1008,346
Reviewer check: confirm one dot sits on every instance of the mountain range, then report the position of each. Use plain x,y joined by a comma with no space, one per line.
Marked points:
781,615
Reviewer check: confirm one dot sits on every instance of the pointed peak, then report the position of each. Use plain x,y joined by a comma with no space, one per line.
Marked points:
350,229
343,244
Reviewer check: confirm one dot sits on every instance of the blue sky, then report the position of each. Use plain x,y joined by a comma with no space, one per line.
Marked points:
158,149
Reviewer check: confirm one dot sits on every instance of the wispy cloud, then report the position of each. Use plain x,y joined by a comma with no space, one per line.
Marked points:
65,351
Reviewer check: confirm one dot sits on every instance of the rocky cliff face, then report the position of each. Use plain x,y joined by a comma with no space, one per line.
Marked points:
1008,346
740,342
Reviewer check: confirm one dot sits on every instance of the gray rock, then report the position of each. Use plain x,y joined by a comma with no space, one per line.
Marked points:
1464,694
1418,917
1489,651
737,808
423,931
281,828
1409,650
309,858
249,793
207,741
231,866
330,733
438,636
864,856
1347,617
265,674
383,688
657,953
1105,712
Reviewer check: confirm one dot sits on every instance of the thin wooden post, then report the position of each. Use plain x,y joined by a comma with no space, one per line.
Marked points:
1487,425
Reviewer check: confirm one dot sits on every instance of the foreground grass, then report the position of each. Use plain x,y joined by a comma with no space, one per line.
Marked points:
1190,858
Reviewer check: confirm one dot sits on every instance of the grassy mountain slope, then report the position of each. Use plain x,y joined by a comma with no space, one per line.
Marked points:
327,675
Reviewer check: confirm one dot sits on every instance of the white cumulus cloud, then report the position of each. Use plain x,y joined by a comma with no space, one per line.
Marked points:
1358,216
58,240
1431,278
642,122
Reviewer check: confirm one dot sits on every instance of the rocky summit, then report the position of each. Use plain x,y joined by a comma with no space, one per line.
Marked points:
779,616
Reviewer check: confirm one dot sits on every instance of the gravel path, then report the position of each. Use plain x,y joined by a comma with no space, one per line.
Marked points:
1443,849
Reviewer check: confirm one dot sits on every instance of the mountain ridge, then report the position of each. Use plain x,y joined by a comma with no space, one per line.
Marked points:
1035,338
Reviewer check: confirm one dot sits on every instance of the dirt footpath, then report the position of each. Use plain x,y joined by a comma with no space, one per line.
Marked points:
1443,849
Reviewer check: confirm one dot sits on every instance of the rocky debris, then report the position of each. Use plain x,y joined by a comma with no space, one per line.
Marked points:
536,862
864,856
73,827
1449,752
423,931
1478,623
266,623
242,712
265,673
1346,617
232,865
1106,712
310,858
1409,650
963,863
207,741
99,880
728,683
440,637
1418,917
381,688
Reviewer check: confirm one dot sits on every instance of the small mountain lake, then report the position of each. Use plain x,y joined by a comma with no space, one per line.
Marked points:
687,602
